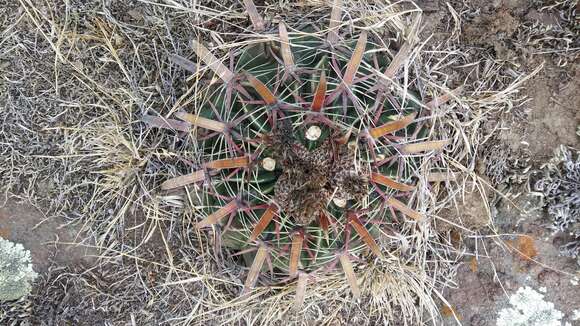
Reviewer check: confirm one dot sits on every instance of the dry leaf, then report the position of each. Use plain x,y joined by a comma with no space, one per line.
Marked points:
335,20
386,181
229,163
448,311
160,122
441,176
355,60
285,46
183,180
324,224
183,63
364,234
473,264
526,247
404,209
216,216
350,275
392,126
443,98
320,94
202,122
295,250
5,233
300,290
264,92
263,222
426,146
255,17
398,60
212,62
255,268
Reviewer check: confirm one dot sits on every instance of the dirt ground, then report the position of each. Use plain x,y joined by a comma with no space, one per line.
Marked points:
550,118
549,115
50,240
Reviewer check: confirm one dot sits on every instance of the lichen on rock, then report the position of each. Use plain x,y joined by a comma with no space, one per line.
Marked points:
528,308
560,187
16,274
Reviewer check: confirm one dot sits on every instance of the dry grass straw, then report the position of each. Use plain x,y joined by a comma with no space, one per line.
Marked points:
107,67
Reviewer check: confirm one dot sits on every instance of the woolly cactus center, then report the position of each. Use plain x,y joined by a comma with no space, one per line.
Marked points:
311,179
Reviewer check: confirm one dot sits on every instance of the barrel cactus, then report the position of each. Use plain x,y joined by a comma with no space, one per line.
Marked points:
307,149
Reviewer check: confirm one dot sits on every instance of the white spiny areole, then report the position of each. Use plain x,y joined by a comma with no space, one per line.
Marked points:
269,164
313,133
340,202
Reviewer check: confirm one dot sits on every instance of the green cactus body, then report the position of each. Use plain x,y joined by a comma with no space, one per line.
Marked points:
353,173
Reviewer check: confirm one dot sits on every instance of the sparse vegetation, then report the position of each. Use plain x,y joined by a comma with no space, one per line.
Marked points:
95,98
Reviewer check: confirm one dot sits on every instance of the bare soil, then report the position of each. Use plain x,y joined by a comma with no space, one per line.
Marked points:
547,119
50,240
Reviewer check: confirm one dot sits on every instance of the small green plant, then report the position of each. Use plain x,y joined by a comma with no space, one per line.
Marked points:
16,274
308,150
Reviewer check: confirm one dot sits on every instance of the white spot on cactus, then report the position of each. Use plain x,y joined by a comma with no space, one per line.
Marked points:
529,309
313,133
269,164
340,202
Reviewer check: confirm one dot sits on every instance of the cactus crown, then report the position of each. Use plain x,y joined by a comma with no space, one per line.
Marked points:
306,151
